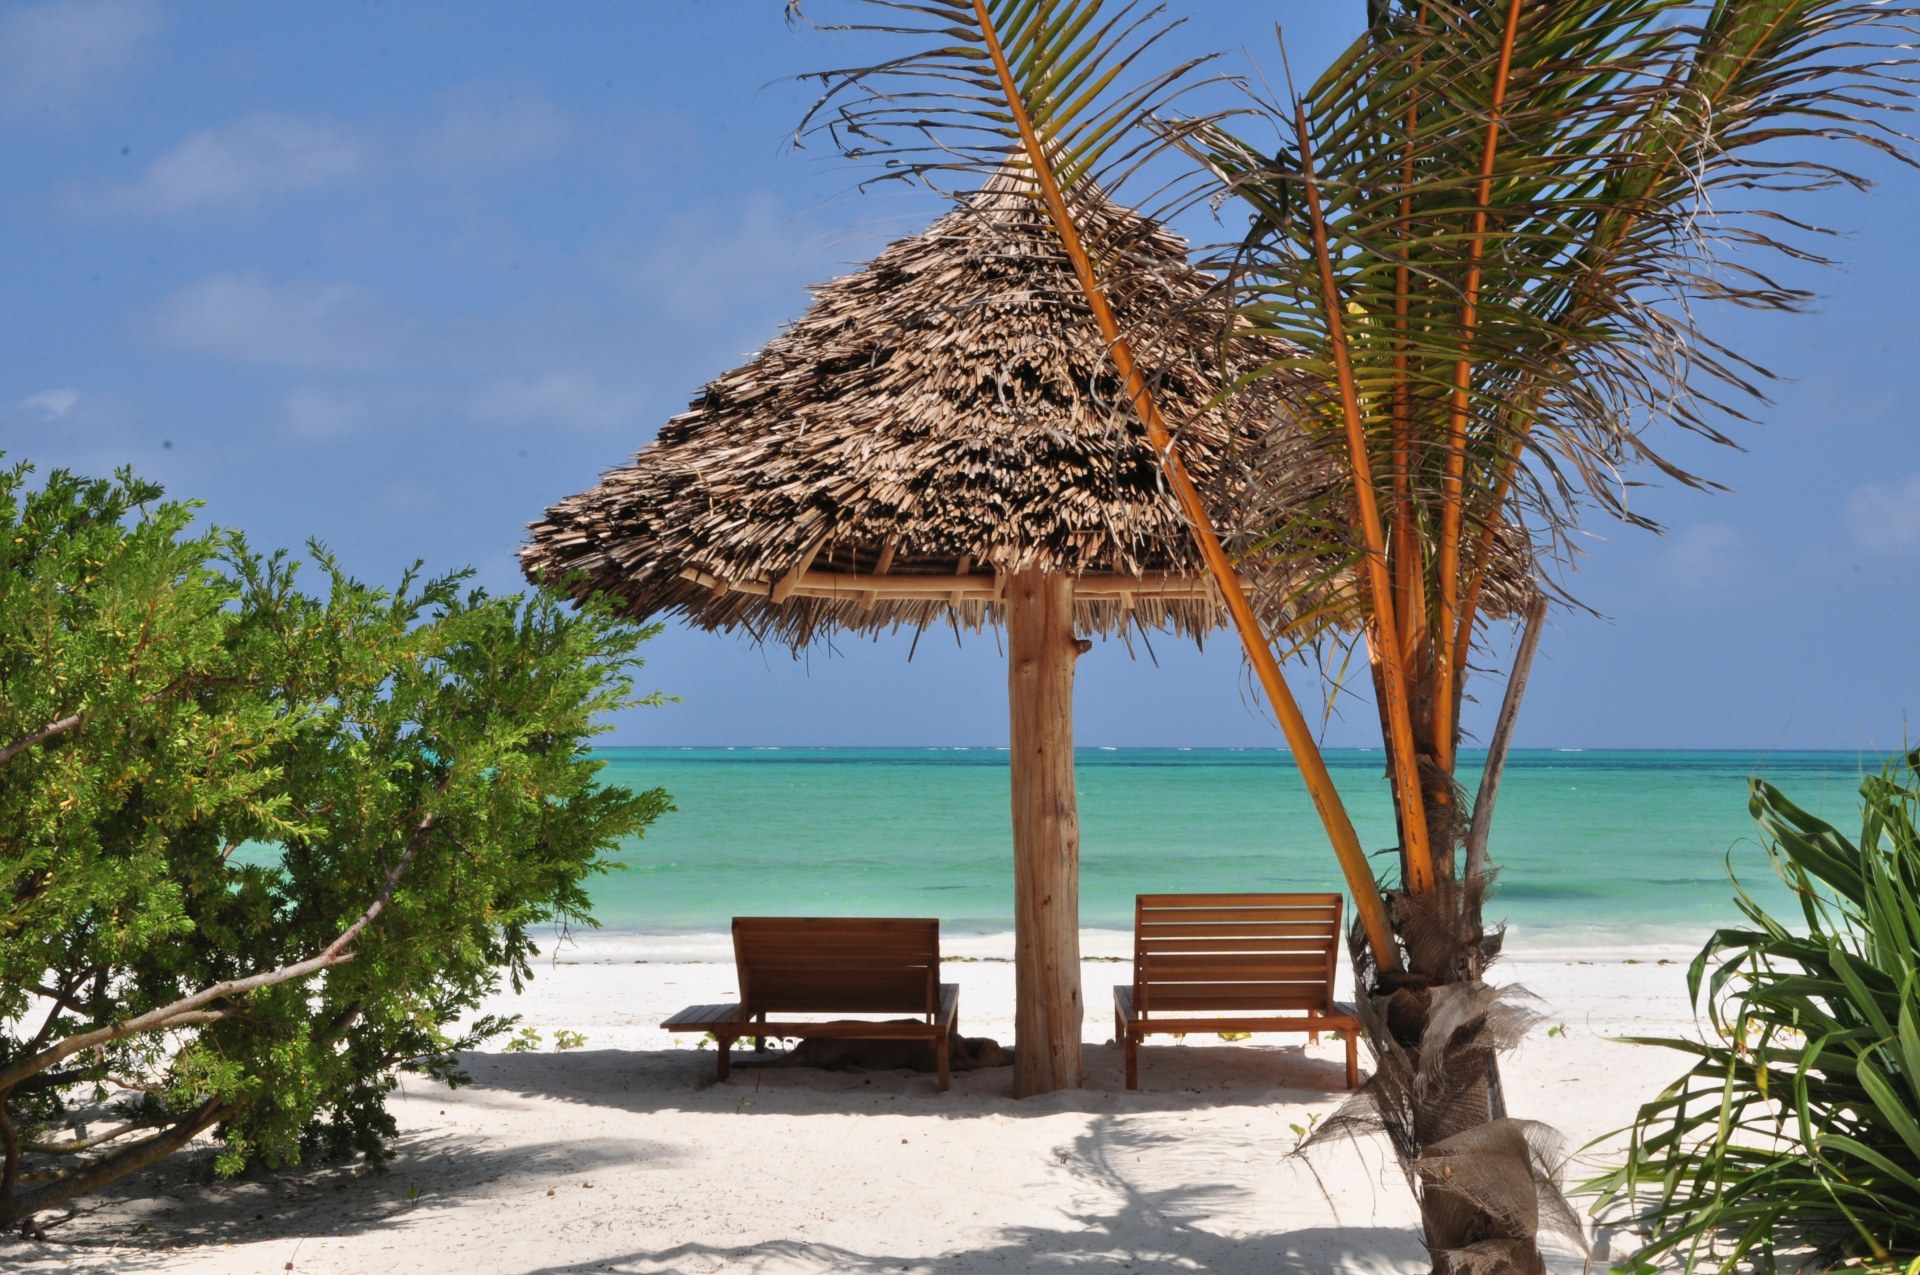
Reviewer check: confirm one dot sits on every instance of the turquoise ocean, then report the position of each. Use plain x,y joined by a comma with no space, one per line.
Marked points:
1594,847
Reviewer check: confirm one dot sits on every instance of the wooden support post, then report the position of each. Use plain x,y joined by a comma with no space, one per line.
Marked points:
1048,1008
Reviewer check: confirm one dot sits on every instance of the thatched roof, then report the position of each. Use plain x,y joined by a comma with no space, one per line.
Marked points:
940,417
944,414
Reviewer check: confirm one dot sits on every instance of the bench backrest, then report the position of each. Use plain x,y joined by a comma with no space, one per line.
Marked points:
838,965
1227,952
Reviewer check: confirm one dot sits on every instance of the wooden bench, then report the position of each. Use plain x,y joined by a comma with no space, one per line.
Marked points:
1233,963
832,965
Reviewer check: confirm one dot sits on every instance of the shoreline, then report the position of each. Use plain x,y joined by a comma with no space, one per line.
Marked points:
610,946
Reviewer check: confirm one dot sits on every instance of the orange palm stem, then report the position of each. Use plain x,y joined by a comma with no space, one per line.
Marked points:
1383,633
1447,670
1293,723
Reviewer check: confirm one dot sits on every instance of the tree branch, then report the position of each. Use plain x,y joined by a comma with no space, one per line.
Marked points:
73,721
191,1009
107,1168
88,1143
1496,764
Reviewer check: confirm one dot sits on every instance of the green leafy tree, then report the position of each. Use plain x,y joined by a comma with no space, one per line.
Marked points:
263,847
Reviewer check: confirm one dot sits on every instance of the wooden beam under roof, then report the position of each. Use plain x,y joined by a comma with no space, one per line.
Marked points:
980,586
783,587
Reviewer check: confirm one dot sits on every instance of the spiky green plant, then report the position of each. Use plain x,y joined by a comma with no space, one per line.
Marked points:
1796,1129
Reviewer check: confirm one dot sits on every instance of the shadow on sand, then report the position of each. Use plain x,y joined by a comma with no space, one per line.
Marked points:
1181,1076
1120,1223
1120,1217
152,1219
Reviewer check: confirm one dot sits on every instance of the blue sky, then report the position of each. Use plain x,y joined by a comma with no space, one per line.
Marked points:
399,275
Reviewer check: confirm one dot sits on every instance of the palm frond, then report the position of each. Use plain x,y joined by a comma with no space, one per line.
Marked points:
1089,76
1635,144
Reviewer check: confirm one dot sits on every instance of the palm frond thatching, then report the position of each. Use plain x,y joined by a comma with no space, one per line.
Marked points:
940,417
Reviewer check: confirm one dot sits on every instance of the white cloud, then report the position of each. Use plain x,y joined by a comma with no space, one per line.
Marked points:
51,405
52,56
1707,562
564,400
322,414
242,162
484,127
1885,517
313,326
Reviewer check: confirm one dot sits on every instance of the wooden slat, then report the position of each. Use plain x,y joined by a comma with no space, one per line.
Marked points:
1148,901
769,952
1254,966
1305,1022
841,982
807,940
1250,948
852,977
837,1001
1224,912
1235,995
836,924
1218,916
1319,931
854,1029
702,1016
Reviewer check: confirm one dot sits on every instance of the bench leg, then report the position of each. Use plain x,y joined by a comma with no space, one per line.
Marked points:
1132,1044
1353,1057
943,1057
724,1048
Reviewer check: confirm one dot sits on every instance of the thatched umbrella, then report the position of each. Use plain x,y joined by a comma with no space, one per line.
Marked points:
940,439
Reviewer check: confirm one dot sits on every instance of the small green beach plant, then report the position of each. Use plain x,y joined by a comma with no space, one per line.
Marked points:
1797,1128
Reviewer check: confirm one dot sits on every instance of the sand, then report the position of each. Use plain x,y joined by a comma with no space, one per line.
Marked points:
624,1155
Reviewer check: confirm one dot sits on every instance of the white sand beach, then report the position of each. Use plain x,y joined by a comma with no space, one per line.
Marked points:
623,1155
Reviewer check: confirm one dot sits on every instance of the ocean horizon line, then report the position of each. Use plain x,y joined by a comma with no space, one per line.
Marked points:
1740,750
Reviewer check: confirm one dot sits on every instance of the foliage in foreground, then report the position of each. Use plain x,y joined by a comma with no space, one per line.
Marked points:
263,846
1797,1128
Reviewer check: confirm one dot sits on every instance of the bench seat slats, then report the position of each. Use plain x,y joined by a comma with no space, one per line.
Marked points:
1247,900
1233,962
699,1016
833,966
1223,996
1243,916
1250,934
1161,966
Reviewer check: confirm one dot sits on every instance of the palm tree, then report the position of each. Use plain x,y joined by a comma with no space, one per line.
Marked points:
1483,238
